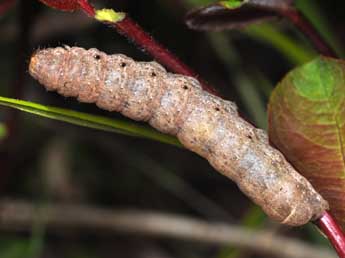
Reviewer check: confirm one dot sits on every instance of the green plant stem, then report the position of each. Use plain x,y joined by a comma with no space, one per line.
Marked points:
312,10
90,121
293,50
303,24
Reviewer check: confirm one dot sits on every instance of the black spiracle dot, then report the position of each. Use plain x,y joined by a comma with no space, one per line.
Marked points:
185,87
97,57
123,64
217,109
153,74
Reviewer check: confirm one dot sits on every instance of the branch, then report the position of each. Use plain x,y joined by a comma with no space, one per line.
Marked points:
18,215
131,30
334,233
136,34
303,24
86,7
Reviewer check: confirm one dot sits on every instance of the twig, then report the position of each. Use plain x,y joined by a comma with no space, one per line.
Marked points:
19,215
6,5
303,24
131,30
135,33
334,233
87,7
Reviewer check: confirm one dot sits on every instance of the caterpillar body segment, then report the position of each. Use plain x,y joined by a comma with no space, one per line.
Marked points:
177,105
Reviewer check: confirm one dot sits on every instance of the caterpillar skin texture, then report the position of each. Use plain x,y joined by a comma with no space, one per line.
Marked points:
176,105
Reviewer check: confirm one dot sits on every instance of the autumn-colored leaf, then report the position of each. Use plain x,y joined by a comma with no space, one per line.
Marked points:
307,123
234,13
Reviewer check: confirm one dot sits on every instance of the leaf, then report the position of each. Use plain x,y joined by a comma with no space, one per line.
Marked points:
307,123
90,121
232,14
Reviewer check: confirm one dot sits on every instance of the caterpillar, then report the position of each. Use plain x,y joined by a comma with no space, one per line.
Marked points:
177,105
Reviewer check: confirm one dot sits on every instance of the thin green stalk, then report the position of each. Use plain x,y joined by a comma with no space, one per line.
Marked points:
312,11
90,121
292,49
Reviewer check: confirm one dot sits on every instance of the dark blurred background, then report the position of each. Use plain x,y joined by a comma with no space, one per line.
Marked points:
51,162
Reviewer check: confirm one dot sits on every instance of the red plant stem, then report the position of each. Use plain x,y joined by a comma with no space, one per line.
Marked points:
6,5
332,230
303,24
87,7
131,30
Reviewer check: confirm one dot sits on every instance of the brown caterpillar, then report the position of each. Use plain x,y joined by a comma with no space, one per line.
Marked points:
176,105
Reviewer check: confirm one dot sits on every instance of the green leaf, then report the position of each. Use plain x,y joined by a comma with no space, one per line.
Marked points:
307,123
88,120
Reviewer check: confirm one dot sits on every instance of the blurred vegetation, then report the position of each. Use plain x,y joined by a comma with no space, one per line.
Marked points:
48,161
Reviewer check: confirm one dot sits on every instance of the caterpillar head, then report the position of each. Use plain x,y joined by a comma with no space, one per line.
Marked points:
71,71
46,66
